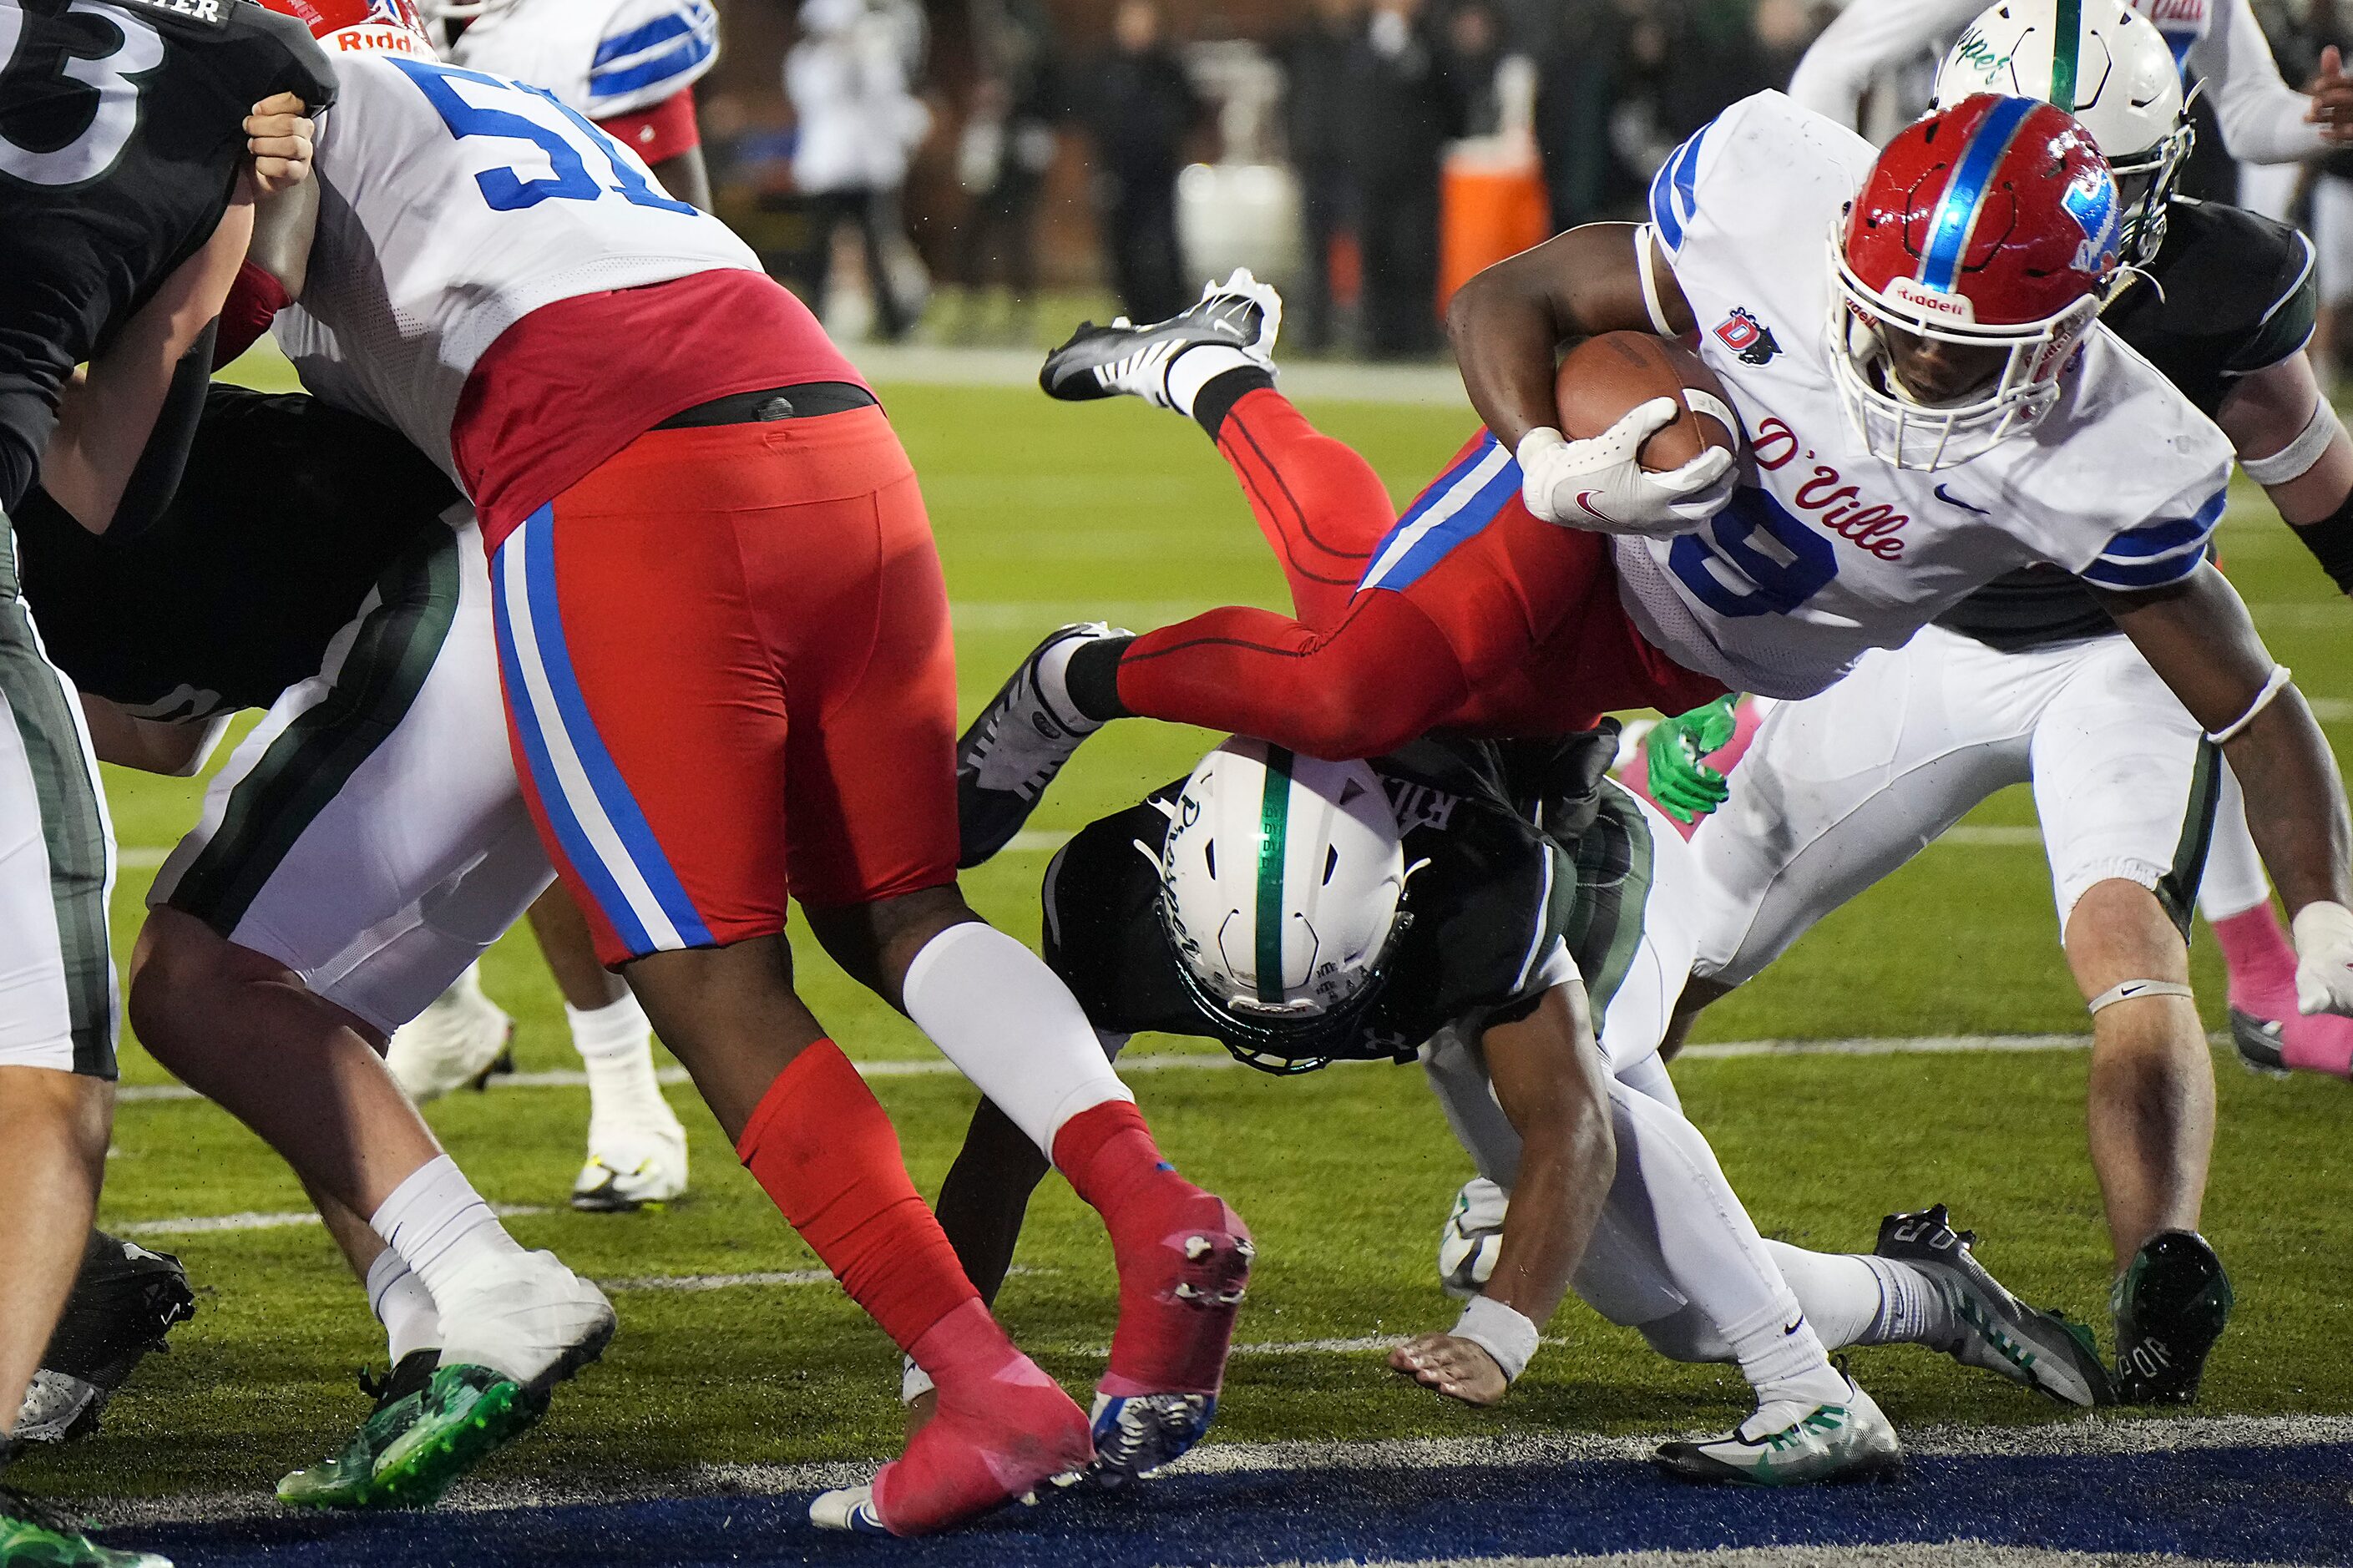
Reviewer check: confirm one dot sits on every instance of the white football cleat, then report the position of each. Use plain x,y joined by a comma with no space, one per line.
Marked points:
1238,320
1786,1445
1472,1238
632,1163
848,1508
458,1042
526,1317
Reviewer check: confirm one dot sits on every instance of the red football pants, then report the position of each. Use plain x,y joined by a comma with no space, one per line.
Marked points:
1467,614
729,677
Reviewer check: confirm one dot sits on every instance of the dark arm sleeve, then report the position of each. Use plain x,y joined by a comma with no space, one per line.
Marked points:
2288,324
166,456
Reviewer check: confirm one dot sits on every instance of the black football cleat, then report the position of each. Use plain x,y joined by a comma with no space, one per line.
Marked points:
1997,1331
2171,1305
1242,313
1014,748
125,1300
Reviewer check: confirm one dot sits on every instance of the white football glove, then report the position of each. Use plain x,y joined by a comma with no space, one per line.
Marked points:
1596,484
2323,958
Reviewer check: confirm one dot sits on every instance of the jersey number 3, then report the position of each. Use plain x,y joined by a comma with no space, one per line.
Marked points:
93,148
568,179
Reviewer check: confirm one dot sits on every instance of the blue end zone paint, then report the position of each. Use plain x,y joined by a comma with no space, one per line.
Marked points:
2251,1505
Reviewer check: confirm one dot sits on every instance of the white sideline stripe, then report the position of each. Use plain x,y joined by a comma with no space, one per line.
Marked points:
211,1225
2101,1435
1201,1061
1433,386
1038,616
695,1283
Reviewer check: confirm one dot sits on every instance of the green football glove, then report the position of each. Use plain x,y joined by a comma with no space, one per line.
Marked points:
1685,787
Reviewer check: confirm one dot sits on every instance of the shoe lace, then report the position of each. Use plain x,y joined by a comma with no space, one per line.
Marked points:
375,1387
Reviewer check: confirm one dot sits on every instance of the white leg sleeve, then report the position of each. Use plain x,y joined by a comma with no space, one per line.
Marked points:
1011,1026
1459,1079
1838,791
2234,882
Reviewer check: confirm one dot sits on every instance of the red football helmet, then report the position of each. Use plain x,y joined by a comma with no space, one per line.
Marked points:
387,26
1990,224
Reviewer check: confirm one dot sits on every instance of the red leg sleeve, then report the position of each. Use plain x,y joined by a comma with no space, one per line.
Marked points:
1320,505
1380,677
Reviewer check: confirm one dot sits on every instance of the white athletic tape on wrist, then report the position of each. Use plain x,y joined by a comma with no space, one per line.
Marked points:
2295,460
1649,269
1499,1331
1709,403
2273,687
913,1380
2133,990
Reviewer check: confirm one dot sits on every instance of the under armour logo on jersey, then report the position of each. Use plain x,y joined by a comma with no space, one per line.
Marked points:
1747,336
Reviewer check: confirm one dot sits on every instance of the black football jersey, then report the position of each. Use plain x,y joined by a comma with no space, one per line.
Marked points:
122,129
2229,293
1495,899
289,513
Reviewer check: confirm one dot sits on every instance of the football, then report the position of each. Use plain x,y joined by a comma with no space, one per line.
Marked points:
1604,376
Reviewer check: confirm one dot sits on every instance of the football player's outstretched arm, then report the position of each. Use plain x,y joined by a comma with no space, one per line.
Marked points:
2198,637
123,738
1551,1082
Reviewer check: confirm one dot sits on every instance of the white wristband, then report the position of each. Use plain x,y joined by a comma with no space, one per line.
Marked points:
2273,687
1499,1331
2294,460
1649,271
913,1380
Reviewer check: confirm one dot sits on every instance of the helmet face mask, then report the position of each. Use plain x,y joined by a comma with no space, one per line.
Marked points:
1281,879
2111,69
1987,229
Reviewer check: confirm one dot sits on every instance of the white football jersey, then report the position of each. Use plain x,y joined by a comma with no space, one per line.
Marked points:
1826,551
452,204
604,57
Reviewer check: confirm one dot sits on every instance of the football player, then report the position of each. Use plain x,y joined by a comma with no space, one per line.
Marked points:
2027,679
1513,918
2262,121
136,140
629,66
2217,42
598,362
369,643
1963,416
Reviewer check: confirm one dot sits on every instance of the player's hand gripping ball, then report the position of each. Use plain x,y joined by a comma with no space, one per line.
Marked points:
1647,445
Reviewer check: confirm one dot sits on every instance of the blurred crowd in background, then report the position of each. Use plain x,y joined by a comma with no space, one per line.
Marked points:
944,166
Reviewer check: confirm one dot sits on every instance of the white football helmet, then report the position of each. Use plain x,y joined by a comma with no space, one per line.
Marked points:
1280,882
2111,69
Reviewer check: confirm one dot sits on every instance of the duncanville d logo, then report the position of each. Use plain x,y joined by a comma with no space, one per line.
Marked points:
1747,336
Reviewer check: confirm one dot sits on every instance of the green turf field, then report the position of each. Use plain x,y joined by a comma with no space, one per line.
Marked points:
1047,513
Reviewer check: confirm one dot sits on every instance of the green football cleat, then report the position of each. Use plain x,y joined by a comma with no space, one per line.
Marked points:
32,1534
347,1479
468,1414
2171,1305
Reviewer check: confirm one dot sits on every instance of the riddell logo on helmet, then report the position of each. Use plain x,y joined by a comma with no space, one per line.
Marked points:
375,39
1934,302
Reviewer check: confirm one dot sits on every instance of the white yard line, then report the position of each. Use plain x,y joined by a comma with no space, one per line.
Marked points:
213,1225
1420,385
2090,1435
1199,1061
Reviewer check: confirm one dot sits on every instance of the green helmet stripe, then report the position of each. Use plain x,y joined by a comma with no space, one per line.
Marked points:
2064,48
1273,850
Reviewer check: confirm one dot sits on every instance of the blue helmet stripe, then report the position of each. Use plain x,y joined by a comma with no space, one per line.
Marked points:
1957,213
